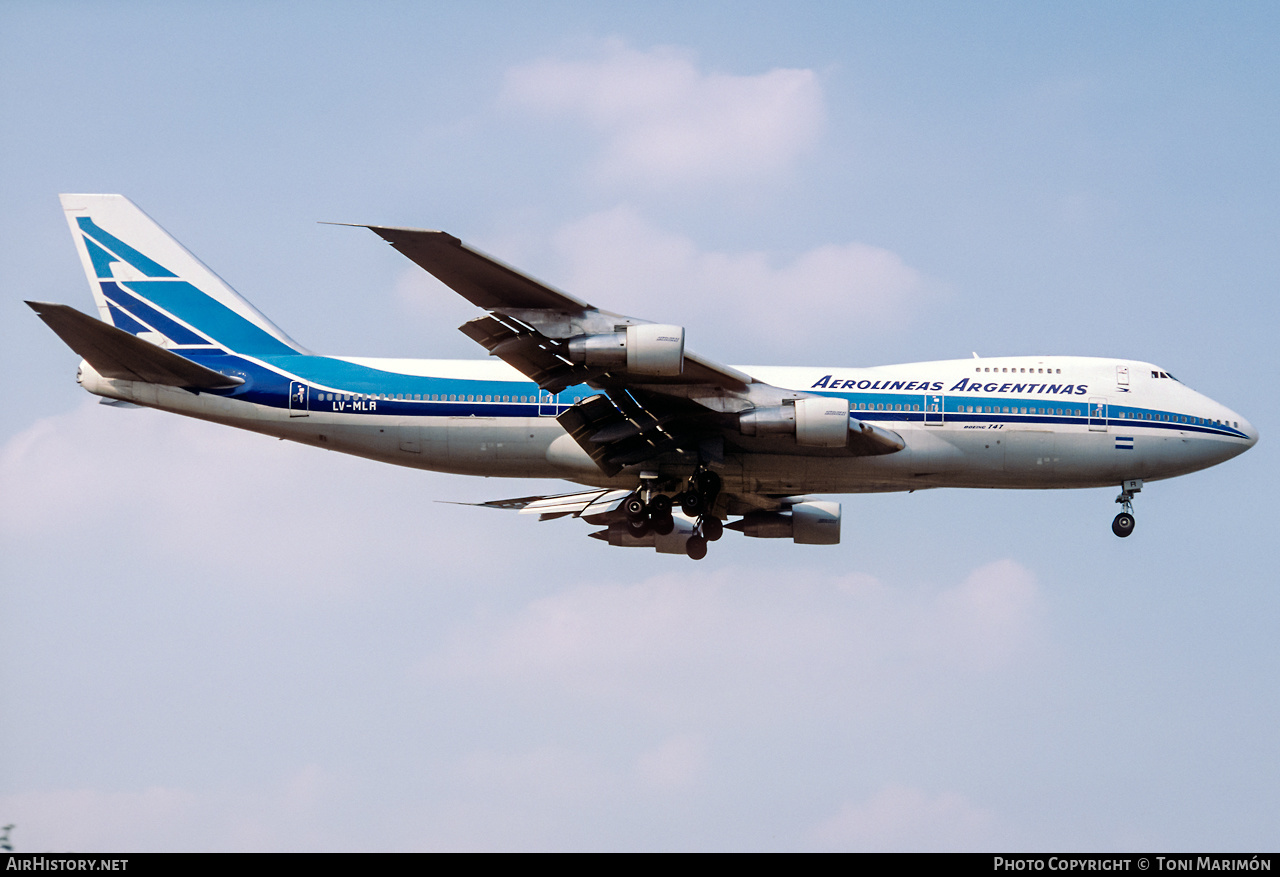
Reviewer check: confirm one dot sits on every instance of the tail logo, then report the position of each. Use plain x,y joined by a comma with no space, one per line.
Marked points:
95,239
143,297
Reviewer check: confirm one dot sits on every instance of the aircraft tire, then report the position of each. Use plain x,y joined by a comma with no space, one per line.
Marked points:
696,547
634,508
712,528
639,528
691,503
708,483
1123,525
660,506
663,525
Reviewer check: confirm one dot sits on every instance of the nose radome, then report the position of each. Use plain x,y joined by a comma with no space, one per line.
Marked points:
1247,428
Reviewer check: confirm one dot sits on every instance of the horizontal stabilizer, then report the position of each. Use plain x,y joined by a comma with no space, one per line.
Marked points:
120,356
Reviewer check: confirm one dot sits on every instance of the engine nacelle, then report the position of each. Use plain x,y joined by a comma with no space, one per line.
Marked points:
768,421
816,523
808,523
671,543
816,422
647,349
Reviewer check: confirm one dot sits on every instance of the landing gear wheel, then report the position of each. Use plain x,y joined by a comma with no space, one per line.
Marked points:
691,503
707,482
712,528
660,506
663,526
639,528
1123,524
696,547
634,508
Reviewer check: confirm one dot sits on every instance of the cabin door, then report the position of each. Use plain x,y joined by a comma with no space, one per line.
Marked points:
298,398
1097,414
933,410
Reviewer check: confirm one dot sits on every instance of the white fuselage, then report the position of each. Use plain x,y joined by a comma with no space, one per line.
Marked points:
1014,422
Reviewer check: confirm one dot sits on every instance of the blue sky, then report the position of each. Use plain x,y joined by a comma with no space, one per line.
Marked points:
214,640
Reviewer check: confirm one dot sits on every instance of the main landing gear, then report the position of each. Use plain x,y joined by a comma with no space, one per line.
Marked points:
1123,525
654,516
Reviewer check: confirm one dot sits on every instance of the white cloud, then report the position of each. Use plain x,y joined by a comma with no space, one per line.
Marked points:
984,621
768,304
667,122
675,764
275,815
552,773
90,820
904,819
710,644
261,517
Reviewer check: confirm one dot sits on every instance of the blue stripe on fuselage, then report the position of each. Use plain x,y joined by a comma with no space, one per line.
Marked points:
269,381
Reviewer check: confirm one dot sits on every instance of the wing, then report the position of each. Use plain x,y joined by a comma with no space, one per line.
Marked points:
588,504
799,518
657,399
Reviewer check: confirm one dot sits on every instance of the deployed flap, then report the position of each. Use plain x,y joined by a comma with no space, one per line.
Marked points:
528,351
118,355
620,429
585,504
480,279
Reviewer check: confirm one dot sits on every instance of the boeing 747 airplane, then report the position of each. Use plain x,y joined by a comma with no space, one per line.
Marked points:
671,444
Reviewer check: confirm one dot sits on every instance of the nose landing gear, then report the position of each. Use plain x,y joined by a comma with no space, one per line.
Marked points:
1124,522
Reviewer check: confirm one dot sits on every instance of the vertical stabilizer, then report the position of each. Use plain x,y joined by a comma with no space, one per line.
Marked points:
149,285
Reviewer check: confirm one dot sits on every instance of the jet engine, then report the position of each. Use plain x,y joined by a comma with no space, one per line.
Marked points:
808,523
646,349
816,422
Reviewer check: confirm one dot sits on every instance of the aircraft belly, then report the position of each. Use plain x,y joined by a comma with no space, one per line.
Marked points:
972,455
990,458
507,447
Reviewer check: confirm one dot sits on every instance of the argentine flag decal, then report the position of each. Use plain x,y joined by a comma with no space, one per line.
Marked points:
1124,443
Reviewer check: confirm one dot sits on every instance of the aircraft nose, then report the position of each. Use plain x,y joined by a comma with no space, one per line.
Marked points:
1251,434
1247,435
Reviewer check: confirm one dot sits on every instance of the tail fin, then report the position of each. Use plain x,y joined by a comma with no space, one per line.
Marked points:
146,283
